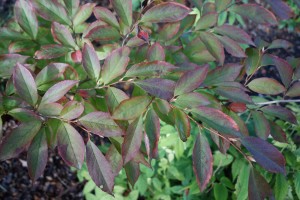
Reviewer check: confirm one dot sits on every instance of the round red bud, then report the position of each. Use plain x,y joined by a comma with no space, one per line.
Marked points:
76,56
238,107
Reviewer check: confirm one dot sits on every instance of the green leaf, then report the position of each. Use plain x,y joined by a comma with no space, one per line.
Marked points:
72,6
161,88
8,62
57,91
131,108
191,80
235,33
232,47
114,97
206,21
280,44
90,62
115,64
37,155
182,124
51,51
221,5
294,90
252,61
132,140
123,9
281,187
280,112
50,73
26,17
25,85
107,16
9,34
16,141
261,124
154,68
132,170
72,110
166,12
254,12
297,183
217,120
266,86
202,161
99,168
62,35
258,187
191,100
52,11
213,45
83,13
24,115
168,31
103,33
50,109
220,192
265,154
156,52
101,123
70,145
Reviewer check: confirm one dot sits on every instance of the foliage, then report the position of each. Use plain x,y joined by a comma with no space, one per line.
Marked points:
66,81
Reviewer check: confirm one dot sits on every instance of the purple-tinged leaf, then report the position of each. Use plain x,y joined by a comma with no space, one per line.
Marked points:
281,9
182,124
24,115
72,110
191,80
70,145
83,13
152,129
16,141
37,155
123,9
62,35
9,34
52,11
213,45
99,168
161,88
51,51
228,73
284,68
223,145
258,187
103,33
101,123
252,62
280,112
114,97
132,140
168,31
90,62
232,47
235,33
217,120
280,44
265,154
114,157
202,161
266,86
221,5
115,64
93,25
26,17
261,124
50,73
166,12
57,91
254,12
277,133
107,16
154,68
163,106
25,85
191,100
50,109
72,6
131,108
135,42
132,170
240,122
206,21
294,90
8,62
156,52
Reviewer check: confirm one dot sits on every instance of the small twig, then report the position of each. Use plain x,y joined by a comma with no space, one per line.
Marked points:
279,101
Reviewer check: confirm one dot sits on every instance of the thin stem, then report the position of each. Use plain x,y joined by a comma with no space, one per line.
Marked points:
279,101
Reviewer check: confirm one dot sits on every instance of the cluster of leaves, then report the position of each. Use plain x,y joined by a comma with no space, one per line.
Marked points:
293,23
66,81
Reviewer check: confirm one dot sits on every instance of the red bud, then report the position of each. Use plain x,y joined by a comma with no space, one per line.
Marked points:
76,56
143,35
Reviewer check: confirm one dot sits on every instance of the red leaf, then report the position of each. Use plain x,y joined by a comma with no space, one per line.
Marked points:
237,107
76,56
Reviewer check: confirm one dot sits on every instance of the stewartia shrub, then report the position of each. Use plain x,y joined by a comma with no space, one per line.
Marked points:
66,75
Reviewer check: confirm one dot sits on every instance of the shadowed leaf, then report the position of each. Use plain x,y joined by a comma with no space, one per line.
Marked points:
152,128
51,51
281,9
280,112
261,124
294,90
91,62
258,187
8,62
280,44
232,47
50,73
222,4
213,45
83,13
182,124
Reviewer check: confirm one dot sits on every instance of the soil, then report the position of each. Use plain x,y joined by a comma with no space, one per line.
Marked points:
59,181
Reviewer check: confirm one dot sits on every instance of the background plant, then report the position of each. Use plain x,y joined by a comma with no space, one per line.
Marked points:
66,81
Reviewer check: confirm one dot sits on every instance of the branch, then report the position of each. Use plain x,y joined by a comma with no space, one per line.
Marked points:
279,101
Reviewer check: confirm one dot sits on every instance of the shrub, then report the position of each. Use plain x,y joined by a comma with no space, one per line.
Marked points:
66,75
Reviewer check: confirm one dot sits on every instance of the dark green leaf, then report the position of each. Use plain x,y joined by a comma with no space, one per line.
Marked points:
182,124
50,73
266,86
114,97
132,170
221,5
9,34
277,133
62,35
232,47
213,45
152,129
220,192
51,51
156,52
280,112
206,21
103,33
107,16
83,13
281,188
191,100
297,182
8,62
90,62
123,9
24,115
252,61
261,124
